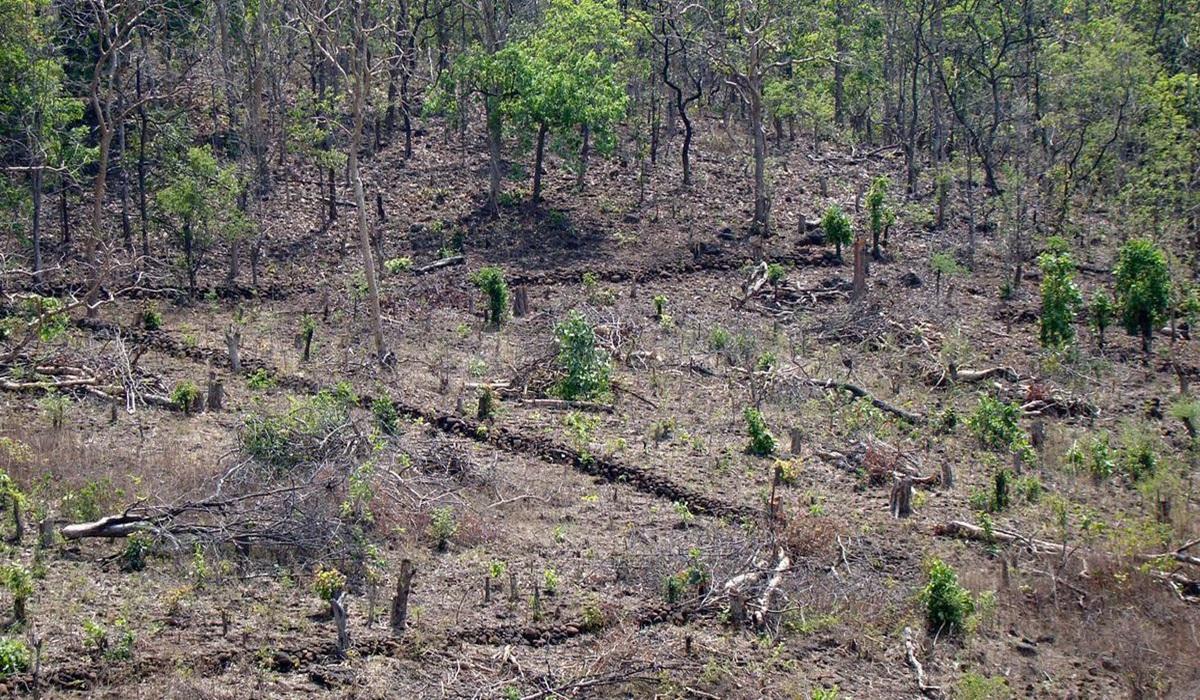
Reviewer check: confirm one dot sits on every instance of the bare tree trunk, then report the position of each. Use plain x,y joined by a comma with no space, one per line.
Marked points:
581,179
537,163
399,614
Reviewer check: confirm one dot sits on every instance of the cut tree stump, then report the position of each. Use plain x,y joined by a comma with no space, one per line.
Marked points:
399,614
900,503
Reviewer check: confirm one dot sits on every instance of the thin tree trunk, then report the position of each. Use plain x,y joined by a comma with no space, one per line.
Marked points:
537,164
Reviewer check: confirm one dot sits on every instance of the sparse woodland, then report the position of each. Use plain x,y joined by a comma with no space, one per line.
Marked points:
582,349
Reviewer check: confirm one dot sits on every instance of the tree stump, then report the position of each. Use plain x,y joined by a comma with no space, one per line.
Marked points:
947,475
737,608
796,438
860,269
233,342
340,618
216,392
900,503
520,302
400,601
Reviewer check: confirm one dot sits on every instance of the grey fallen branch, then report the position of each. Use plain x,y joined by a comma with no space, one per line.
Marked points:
439,264
859,392
910,653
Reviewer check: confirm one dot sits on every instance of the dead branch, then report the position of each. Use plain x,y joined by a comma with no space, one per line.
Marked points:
439,264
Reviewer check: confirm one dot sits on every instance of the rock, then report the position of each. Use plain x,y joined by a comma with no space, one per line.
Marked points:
911,280
1026,649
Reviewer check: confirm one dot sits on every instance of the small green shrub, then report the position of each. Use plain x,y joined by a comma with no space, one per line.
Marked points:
133,556
491,281
1143,288
762,442
837,228
1061,299
488,402
443,527
19,583
550,581
152,320
947,604
1187,410
260,380
387,419
1100,315
973,686
1139,458
395,266
284,440
185,396
587,367
328,584
880,215
14,656
995,425
775,274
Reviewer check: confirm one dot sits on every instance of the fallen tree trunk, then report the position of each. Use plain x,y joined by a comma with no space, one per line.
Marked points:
111,526
439,264
859,392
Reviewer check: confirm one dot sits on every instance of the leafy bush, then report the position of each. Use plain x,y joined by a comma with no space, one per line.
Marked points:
443,527
260,380
947,604
1143,288
491,281
387,419
880,215
1100,315
14,656
298,435
1061,299
152,320
185,396
487,403
1138,457
328,584
1188,411
19,583
837,229
133,557
973,686
588,368
395,266
762,442
995,424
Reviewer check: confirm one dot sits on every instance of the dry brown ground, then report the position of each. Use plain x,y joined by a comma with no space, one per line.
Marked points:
252,627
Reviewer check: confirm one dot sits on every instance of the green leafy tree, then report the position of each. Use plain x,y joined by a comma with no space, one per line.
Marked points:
1061,299
587,367
1100,315
880,215
1143,288
837,229
490,280
572,77
201,200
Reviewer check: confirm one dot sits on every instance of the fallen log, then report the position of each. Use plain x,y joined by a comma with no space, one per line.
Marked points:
910,653
112,526
859,392
565,405
439,264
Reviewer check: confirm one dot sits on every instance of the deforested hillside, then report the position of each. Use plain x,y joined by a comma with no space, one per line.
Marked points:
581,349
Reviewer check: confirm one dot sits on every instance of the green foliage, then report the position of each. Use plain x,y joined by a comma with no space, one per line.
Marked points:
298,435
96,639
387,419
947,604
395,266
152,319
550,581
1100,314
1000,487
201,201
1139,458
775,274
443,527
260,380
14,656
973,686
133,556
880,215
1061,299
1187,409
762,442
488,401
837,228
1143,288
328,584
491,281
831,693
587,367
945,264
54,405
995,424
185,396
